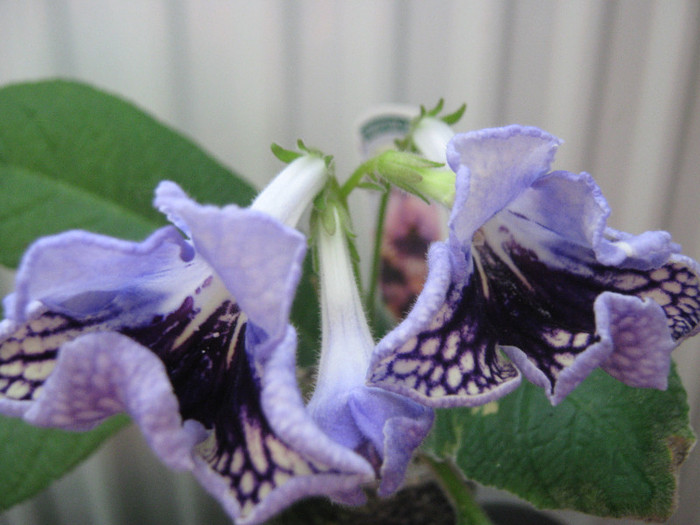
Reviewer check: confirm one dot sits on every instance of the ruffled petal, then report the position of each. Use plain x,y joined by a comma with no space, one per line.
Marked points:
258,258
394,425
641,339
254,468
567,204
102,374
80,273
170,334
383,427
572,206
190,364
264,451
493,167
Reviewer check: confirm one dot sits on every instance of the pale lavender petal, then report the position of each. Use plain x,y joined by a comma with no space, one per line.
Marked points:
493,167
634,345
567,204
153,282
284,406
162,332
645,251
384,427
394,425
264,451
287,414
572,206
258,258
559,306
642,340
79,272
102,374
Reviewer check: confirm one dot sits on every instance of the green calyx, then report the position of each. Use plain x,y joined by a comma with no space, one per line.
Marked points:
408,171
290,155
416,175
330,212
407,144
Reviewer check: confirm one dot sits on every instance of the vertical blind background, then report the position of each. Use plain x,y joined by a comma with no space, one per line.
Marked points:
618,80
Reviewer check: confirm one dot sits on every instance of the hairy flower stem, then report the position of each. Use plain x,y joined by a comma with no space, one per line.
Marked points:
458,492
356,178
371,297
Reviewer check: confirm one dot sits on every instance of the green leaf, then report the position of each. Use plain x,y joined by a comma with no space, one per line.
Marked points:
31,458
607,449
34,204
306,316
79,141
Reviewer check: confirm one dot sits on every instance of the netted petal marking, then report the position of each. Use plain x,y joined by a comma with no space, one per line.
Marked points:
676,288
28,352
243,448
456,356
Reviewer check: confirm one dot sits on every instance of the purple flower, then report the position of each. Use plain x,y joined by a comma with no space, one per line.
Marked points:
382,426
530,271
190,337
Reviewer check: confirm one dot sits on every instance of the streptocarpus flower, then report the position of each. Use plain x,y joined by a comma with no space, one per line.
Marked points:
190,337
531,270
384,427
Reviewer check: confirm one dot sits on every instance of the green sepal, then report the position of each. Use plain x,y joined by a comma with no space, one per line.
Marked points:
329,202
454,117
373,186
406,143
328,159
285,155
322,212
417,175
432,112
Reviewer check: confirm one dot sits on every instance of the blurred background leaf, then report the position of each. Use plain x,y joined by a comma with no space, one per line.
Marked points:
73,156
31,458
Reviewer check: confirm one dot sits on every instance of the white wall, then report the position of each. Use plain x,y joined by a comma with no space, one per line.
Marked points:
618,80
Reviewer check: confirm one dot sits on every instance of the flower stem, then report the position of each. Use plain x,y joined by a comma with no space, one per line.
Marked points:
370,299
356,177
467,509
